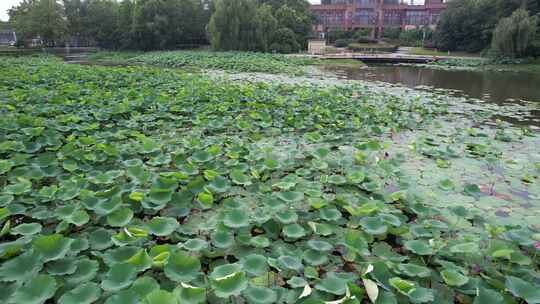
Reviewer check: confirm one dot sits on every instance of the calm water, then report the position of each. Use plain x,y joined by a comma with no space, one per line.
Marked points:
490,86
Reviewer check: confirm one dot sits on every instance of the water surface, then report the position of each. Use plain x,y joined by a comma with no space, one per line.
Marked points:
489,86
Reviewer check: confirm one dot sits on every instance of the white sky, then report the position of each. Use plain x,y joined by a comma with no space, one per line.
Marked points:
4,6
7,4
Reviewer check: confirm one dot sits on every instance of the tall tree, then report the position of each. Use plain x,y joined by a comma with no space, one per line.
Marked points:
514,35
232,26
266,27
43,18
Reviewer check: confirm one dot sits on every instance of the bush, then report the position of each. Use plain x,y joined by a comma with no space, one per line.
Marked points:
343,42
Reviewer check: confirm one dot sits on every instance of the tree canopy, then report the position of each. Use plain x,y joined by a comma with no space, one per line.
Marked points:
469,25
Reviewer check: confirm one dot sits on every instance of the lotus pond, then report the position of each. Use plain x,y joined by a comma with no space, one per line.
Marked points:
147,185
229,61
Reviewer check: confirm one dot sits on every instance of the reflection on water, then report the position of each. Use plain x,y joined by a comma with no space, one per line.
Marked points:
490,86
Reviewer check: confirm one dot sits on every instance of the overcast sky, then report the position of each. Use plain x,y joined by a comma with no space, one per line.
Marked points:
7,4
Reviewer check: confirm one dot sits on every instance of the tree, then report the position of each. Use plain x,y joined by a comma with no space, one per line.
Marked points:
513,35
297,21
43,18
466,25
266,26
232,26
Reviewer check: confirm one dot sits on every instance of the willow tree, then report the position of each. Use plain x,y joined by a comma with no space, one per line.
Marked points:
513,35
233,26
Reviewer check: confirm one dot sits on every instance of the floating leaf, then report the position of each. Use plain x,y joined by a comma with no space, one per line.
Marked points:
84,294
260,295
181,267
36,291
454,278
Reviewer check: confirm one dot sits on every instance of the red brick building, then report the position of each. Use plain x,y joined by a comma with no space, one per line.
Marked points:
376,14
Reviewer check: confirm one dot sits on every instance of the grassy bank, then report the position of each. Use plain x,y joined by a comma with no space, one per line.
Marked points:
143,184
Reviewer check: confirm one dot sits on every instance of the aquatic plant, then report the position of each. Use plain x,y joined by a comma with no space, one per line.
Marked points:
145,185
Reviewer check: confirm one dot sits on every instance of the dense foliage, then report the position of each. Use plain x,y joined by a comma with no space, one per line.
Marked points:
142,185
229,61
468,25
247,25
127,24
513,35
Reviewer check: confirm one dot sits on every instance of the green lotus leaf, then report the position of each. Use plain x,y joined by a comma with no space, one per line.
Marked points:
118,277
21,268
454,278
163,226
356,177
222,239
83,294
297,282
191,295
260,241
421,295
138,174
465,248
160,196
290,196
123,297
120,217
62,266
238,177
472,190
27,229
447,185
206,199
287,217
255,264
337,179
374,225
419,247
181,267
78,218
219,184
332,284
260,295
413,270
356,242
6,199
523,289
315,258
195,244
320,153
319,245
21,187
201,156
52,247
160,297
35,291
402,286
148,146
321,229
86,271
100,239
293,231
284,185
228,280
271,164
236,219
5,166
488,296
329,214
290,263
143,286
141,260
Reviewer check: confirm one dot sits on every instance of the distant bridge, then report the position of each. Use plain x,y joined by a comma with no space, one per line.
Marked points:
382,58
